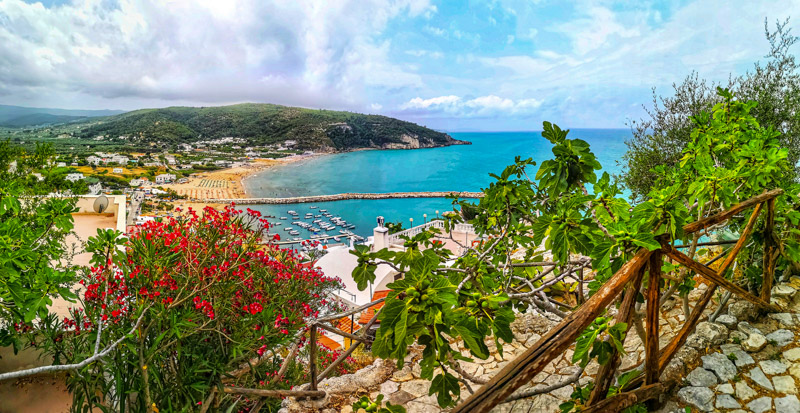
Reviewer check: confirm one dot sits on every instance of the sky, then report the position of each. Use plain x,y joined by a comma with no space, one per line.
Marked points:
450,65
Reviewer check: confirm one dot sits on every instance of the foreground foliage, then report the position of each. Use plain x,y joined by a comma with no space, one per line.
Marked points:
34,264
660,137
202,297
573,214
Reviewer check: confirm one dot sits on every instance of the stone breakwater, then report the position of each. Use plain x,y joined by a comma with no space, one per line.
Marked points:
345,196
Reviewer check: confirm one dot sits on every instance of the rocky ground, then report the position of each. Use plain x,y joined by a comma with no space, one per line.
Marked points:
740,362
751,362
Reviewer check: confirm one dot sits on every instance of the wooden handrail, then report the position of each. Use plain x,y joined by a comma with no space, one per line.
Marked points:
724,215
521,370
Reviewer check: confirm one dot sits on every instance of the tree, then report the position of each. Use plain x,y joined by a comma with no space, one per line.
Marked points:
729,157
182,306
659,139
33,268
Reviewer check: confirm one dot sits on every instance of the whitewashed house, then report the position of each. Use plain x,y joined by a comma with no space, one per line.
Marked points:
93,160
164,178
96,188
74,177
118,170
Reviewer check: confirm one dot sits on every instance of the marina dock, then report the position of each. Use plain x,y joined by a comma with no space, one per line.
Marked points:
342,197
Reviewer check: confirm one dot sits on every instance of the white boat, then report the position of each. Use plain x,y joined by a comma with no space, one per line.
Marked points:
337,238
296,239
294,232
290,212
288,229
284,218
323,210
313,207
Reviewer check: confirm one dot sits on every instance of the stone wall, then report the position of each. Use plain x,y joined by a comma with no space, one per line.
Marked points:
761,373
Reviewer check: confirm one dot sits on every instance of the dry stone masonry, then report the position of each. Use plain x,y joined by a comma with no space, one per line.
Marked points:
740,362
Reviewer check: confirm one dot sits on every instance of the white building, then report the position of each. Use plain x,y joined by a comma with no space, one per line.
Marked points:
61,164
118,170
139,181
164,178
122,160
95,189
74,177
93,160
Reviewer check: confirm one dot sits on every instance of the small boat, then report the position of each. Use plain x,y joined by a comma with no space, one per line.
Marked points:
284,218
288,229
296,239
313,207
295,217
290,212
351,226
294,232
337,238
278,223
323,210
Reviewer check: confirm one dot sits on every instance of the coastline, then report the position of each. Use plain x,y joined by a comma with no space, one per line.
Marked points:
227,183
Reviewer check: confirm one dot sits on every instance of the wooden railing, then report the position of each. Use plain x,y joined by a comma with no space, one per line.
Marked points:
522,370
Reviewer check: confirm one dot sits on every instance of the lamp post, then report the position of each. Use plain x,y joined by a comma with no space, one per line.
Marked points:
437,213
412,223
426,217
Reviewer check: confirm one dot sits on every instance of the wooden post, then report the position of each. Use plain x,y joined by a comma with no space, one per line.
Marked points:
521,370
624,400
770,252
742,240
653,299
312,355
725,215
712,276
605,374
273,393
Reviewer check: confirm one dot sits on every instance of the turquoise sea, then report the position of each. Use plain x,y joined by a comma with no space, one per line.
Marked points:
453,168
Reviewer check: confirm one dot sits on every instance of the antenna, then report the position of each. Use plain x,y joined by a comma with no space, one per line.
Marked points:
100,204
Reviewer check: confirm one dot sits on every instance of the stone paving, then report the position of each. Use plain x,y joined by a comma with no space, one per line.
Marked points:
738,363
750,364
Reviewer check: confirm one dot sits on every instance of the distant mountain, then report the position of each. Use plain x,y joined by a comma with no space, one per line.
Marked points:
259,124
20,116
37,119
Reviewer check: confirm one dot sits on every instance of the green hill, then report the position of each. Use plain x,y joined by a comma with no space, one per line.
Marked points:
37,119
261,124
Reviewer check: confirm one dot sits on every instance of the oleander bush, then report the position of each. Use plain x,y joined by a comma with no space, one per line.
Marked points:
193,299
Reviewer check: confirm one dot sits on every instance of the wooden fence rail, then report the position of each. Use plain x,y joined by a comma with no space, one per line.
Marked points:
521,371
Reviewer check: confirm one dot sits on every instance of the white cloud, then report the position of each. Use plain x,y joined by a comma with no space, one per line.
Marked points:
483,105
301,52
438,31
595,29
425,53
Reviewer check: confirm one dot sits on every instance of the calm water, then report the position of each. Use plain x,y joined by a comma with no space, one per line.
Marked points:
454,168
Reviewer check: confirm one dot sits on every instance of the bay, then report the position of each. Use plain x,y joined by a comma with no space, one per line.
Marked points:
453,168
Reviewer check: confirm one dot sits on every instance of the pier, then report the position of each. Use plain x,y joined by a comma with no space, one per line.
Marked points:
342,197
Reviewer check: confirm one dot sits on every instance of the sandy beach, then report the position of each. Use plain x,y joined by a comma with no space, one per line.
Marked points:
228,183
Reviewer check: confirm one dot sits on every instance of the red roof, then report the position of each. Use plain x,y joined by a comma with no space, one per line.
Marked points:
328,342
370,312
347,326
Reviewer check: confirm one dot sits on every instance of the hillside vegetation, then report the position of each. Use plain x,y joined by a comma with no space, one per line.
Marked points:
262,124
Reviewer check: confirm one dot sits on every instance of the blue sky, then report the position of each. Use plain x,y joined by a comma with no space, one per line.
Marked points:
452,65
